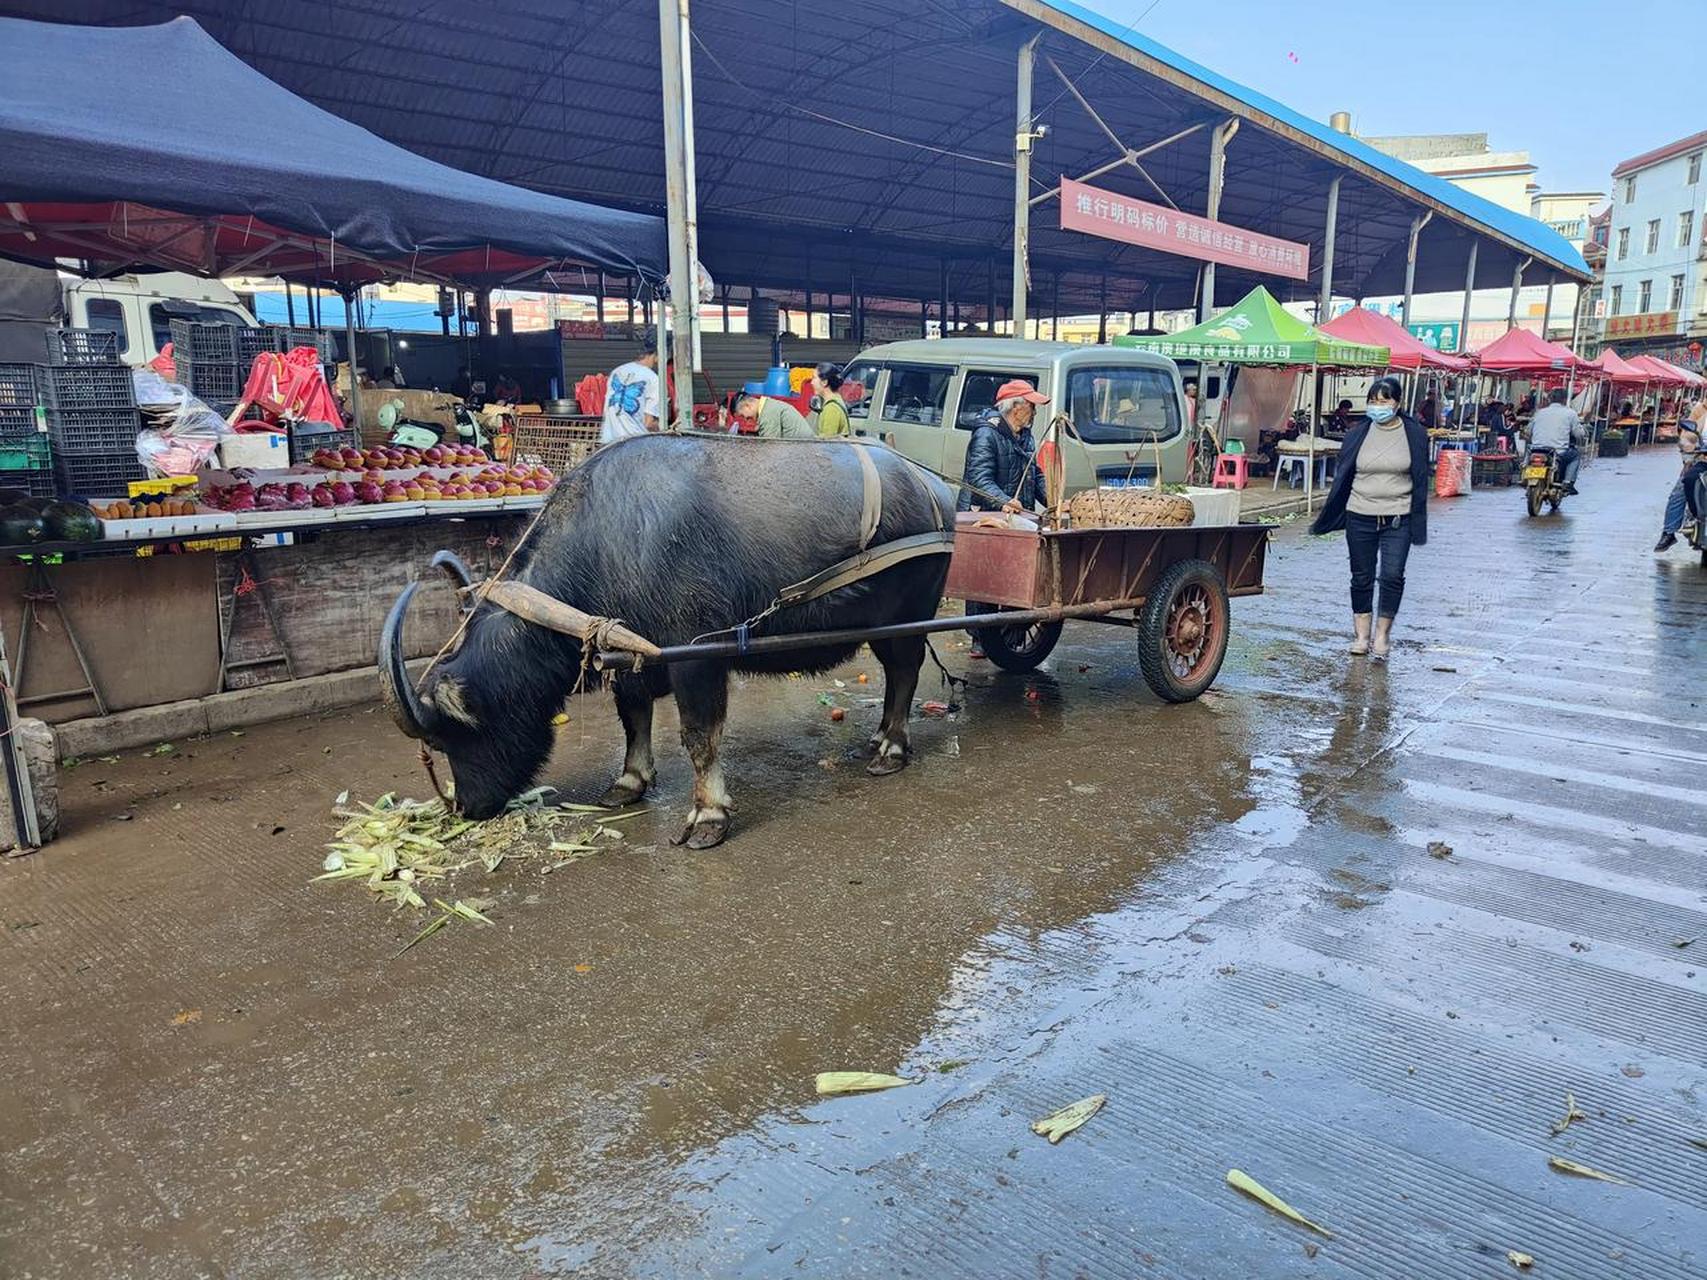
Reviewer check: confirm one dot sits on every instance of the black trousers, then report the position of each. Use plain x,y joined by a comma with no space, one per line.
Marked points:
1379,547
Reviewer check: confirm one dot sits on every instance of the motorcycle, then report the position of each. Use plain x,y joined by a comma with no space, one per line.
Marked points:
409,433
1543,480
1695,532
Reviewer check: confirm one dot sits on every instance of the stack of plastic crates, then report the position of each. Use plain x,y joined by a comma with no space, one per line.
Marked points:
26,458
90,411
213,360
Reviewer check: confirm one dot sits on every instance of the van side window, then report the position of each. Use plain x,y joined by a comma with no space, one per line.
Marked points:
859,384
1119,405
978,395
107,316
916,394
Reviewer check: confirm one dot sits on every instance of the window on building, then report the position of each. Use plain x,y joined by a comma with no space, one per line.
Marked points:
1686,228
1630,189
1695,168
1676,303
1653,236
108,316
1644,296
1617,307
1623,243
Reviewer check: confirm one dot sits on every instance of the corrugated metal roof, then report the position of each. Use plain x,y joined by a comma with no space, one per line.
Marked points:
868,138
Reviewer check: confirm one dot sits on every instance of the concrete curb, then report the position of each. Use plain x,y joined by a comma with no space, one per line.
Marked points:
218,713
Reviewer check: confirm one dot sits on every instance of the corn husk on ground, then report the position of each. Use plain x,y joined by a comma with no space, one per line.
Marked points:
401,850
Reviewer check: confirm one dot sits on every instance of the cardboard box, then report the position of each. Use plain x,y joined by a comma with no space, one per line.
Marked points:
257,449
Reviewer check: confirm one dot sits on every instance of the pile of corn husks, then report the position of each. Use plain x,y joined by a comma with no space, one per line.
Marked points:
398,846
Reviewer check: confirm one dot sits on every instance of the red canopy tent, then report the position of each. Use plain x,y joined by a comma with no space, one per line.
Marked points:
1519,351
1407,351
1614,368
1655,370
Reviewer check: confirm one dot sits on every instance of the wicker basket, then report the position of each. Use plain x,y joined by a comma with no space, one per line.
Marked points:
1128,509
562,444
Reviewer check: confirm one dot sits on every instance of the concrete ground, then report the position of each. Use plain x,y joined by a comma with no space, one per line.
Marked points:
1237,919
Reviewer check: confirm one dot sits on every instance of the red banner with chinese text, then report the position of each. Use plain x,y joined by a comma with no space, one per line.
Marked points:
1096,212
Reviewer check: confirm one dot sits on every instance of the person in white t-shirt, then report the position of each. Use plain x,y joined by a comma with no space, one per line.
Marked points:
631,396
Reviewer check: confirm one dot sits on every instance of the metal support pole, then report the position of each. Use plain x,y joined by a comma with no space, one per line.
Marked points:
942,297
676,58
1022,182
1218,141
599,302
1417,224
1326,297
350,350
1054,309
1469,292
990,296
628,284
808,312
1102,309
1547,309
290,306
1516,284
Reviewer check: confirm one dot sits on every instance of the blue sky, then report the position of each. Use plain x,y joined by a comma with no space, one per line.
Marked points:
1578,85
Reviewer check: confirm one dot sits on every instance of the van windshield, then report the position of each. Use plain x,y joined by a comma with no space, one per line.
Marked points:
1122,404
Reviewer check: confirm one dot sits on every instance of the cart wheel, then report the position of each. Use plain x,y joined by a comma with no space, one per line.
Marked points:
1020,647
1182,630
1535,499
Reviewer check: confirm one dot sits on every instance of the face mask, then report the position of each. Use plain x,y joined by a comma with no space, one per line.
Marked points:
1379,413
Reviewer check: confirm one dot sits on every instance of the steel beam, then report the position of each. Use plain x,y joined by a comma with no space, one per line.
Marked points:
1325,299
1516,284
1217,176
1022,181
1417,224
1469,292
676,59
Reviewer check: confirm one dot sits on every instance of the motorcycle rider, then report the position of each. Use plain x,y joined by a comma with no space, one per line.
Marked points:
1692,444
1556,426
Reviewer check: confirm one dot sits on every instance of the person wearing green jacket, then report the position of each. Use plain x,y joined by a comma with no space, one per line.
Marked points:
776,419
832,409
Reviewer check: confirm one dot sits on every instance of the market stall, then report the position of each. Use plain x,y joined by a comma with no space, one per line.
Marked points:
1258,331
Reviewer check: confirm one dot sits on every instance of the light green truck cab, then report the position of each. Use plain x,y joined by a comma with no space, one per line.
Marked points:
927,395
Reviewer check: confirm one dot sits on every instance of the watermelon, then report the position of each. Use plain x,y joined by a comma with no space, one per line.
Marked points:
72,522
20,526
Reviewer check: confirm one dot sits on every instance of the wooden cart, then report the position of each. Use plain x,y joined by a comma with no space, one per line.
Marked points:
1171,584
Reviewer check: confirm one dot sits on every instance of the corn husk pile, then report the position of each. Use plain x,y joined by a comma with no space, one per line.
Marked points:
396,847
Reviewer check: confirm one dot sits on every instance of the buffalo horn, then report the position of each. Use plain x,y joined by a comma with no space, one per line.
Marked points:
458,573
395,687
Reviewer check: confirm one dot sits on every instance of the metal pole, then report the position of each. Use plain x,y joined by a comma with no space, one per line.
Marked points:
1516,284
1102,309
1218,141
1022,182
350,350
1325,299
1547,309
990,296
942,297
1469,291
1054,309
675,58
290,306
1417,224
1310,464
599,302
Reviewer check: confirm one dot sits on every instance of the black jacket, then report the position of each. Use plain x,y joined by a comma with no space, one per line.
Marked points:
1332,514
996,461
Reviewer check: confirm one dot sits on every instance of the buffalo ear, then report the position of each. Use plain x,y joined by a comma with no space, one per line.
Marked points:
447,696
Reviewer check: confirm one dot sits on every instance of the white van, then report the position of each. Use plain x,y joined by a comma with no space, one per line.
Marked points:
927,395
141,308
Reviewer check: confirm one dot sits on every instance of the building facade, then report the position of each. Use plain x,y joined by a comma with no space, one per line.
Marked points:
1655,288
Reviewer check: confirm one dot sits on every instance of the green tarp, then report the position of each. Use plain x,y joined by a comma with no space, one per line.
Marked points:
1258,330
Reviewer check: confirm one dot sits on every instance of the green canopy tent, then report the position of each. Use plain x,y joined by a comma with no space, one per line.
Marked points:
1258,330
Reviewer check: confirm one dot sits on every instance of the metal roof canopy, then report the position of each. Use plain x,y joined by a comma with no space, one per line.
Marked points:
865,143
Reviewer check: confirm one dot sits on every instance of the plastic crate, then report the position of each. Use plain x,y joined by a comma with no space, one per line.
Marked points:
25,455
223,343
94,431
286,338
20,388
98,475
19,424
36,482
303,447
222,381
82,346
87,386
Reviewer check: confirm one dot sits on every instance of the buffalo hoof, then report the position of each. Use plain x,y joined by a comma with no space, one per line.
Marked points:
884,765
620,795
707,833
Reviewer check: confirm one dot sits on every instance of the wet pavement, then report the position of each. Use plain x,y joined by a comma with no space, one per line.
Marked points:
1225,916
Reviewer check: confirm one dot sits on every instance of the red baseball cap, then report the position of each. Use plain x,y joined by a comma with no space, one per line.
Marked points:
1019,388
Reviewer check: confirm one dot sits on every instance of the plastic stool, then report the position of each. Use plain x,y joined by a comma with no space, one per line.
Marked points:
1286,463
1232,471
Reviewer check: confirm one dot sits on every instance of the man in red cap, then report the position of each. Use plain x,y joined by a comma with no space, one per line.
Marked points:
1001,471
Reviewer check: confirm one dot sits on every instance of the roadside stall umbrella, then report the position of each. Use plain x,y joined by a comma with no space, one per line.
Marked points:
1257,330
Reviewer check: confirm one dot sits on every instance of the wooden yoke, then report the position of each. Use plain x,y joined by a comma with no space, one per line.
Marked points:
532,605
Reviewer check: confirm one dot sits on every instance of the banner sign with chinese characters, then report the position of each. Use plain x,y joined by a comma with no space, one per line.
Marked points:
1648,324
1152,226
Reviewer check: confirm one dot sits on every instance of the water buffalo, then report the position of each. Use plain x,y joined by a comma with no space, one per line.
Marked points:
678,536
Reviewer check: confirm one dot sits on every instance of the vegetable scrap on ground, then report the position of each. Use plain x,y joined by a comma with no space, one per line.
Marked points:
396,846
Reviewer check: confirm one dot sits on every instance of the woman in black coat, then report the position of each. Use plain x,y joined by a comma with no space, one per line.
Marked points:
1380,498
